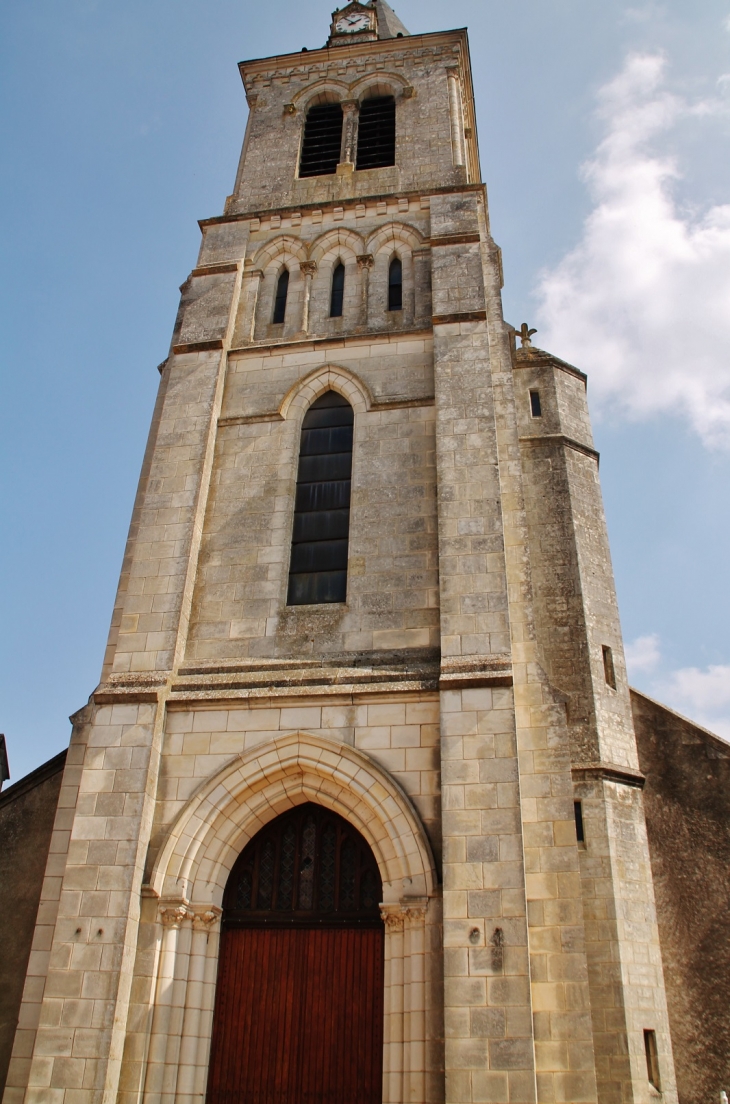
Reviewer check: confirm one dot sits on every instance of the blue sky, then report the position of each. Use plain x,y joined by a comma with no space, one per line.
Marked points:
604,132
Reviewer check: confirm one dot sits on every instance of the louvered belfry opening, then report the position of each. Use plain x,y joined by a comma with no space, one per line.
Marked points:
376,133
322,140
298,1013
318,568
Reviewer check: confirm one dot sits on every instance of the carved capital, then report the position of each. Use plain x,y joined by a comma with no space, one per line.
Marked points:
308,268
172,916
206,919
290,109
365,260
349,107
392,917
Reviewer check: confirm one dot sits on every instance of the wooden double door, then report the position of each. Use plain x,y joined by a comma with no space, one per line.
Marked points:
299,1001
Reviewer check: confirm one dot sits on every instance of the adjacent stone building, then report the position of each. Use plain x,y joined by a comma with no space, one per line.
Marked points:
355,813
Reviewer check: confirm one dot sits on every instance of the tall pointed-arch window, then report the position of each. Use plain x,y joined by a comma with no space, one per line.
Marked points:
376,133
395,285
338,290
282,290
322,140
318,569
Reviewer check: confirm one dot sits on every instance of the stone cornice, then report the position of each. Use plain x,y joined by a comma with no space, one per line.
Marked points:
334,55
248,216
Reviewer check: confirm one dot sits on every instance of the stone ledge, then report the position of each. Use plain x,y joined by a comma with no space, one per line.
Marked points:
341,341
471,672
561,439
463,316
608,772
198,346
456,239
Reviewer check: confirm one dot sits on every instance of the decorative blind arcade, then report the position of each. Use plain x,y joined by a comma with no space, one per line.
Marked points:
309,867
318,569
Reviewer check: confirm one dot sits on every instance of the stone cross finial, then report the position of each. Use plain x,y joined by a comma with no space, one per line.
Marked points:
525,333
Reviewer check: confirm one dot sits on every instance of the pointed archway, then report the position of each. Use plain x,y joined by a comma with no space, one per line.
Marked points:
299,1002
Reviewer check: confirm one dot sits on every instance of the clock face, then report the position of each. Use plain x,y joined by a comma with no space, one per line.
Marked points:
350,24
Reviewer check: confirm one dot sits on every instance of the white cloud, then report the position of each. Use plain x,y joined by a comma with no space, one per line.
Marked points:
642,303
704,696
643,654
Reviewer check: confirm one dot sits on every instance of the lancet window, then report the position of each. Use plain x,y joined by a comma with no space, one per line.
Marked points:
338,291
282,291
395,285
318,568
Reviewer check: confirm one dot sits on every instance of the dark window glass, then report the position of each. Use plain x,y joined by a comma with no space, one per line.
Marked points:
535,406
282,290
395,285
338,291
323,870
376,133
579,828
322,141
652,1059
318,569
608,667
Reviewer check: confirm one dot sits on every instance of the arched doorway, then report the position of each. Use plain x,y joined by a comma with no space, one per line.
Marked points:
299,1001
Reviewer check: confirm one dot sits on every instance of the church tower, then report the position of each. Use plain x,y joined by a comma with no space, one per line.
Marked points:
355,813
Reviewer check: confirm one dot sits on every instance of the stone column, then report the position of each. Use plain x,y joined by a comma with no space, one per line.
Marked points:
393,1005
364,263
249,304
308,269
172,918
349,132
457,116
204,921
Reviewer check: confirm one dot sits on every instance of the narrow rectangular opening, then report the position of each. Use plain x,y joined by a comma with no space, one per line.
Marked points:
652,1059
608,668
579,828
535,407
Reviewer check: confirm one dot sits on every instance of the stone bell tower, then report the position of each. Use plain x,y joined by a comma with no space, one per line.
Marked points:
367,571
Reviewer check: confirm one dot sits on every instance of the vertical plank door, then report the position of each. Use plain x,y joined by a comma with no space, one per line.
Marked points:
298,1017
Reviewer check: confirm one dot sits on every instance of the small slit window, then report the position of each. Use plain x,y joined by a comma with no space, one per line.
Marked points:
652,1059
338,291
395,285
608,668
376,133
535,406
579,826
282,290
322,141
318,569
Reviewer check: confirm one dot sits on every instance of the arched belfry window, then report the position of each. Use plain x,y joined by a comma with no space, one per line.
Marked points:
338,290
376,133
322,140
395,285
282,290
318,569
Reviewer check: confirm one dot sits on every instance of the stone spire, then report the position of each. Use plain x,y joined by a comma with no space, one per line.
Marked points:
389,25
